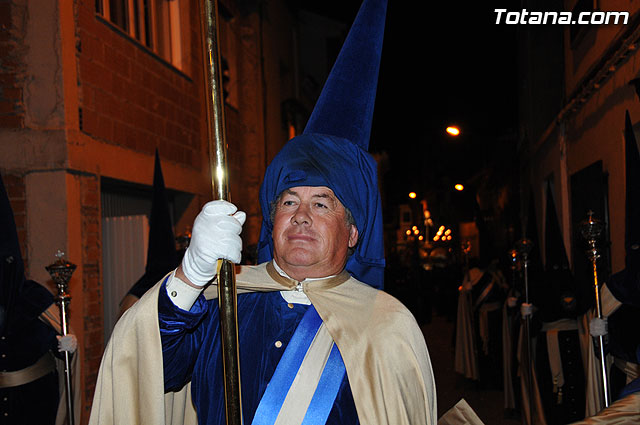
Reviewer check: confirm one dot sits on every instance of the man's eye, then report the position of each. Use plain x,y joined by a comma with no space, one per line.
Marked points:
320,205
287,203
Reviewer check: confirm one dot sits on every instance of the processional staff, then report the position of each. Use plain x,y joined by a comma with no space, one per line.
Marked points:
61,271
227,296
524,246
591,230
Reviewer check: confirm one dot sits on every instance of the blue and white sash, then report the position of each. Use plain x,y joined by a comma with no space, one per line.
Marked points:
306,381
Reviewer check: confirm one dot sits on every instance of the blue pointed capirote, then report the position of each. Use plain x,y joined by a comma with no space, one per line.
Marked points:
332,151
345,106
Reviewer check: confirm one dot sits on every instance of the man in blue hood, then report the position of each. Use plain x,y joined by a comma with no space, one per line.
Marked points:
319,341
314,227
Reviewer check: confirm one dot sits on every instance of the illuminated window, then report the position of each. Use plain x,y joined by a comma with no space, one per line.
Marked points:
156,24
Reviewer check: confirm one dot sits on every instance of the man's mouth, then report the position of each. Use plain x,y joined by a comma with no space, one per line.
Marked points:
300,237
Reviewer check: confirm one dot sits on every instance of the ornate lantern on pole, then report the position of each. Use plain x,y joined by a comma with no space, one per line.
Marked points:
61,271
591,229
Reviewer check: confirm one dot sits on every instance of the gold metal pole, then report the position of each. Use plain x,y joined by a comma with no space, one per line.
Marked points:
227,296
591,230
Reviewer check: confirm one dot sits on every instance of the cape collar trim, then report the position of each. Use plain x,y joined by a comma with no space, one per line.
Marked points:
329,283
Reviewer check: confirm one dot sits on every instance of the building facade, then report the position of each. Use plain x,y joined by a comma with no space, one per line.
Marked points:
576,85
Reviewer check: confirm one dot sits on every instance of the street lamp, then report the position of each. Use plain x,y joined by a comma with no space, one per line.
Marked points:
453,130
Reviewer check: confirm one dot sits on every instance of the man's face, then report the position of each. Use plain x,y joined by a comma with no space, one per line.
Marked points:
311,236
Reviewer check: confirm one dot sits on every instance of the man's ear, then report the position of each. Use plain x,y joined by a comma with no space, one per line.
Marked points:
353,236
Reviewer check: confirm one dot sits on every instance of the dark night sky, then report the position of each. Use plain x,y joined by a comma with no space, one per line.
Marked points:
441,64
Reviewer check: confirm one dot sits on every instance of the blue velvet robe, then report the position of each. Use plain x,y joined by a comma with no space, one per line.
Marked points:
191,350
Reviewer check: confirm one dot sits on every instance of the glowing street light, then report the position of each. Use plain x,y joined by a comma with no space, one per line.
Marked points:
412,195
453,130
459,187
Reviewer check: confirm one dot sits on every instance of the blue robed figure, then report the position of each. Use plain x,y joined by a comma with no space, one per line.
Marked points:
320,342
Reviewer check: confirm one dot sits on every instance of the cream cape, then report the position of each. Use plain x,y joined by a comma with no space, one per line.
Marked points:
622,412
460,414
383,349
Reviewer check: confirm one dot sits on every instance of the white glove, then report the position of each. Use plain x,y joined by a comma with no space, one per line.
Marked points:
215,235
67,343
598,327
512,302
526,309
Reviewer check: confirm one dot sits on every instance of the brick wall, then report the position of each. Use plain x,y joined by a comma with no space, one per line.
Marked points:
11,67
131,97
91,286
14,185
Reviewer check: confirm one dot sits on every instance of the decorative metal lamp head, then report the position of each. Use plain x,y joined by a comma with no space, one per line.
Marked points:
61,271
591,229
524,247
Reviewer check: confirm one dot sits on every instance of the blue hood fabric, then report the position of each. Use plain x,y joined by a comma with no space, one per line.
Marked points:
332,151
348,170
345,106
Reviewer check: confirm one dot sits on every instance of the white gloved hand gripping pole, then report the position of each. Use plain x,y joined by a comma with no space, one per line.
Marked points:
215,236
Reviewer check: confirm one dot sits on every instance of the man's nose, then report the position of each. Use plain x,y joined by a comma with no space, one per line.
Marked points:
301,215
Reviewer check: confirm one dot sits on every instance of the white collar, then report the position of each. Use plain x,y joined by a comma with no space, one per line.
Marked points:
295,297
